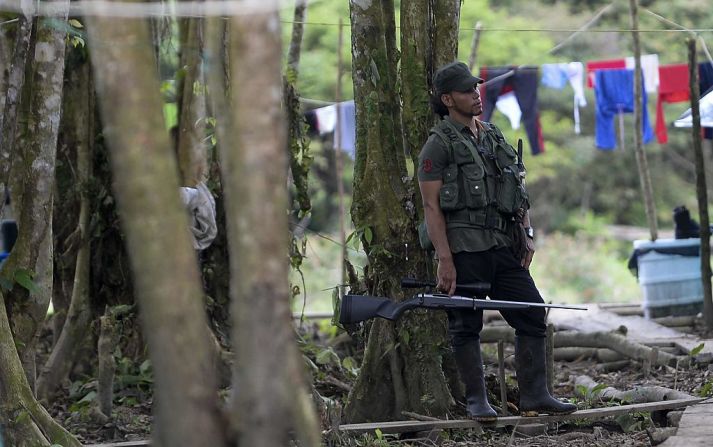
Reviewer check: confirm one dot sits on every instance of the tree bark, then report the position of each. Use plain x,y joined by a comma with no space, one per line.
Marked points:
33,250
642,163
446,21
402,368
191,119
25,422
270,400
154,222
79,316
15,83
701,191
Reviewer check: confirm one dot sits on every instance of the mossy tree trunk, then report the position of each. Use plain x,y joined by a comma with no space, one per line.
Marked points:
12,91
163,262
23,309
402,367
270,404
79,111
32,255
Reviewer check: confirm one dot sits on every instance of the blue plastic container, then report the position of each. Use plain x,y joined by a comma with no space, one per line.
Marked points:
670,276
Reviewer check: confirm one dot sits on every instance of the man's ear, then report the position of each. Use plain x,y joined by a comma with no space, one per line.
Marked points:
447,100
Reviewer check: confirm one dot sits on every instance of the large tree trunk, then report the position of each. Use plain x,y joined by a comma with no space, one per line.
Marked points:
402,364
163,262
79,316
32,255
270,401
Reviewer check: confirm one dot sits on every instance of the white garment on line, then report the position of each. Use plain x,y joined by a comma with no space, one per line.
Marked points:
650,70
200,204
574,73
507,105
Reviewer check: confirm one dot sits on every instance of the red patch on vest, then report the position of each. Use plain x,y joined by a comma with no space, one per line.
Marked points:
427,165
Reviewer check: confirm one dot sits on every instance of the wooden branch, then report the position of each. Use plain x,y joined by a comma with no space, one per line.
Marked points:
592,414
418,417
636,395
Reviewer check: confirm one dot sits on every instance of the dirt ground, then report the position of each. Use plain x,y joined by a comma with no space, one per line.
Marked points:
131,418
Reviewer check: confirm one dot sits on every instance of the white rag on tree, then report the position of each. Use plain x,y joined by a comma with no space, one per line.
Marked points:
201,207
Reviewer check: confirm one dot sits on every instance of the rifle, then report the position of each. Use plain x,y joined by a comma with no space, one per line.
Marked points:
356,308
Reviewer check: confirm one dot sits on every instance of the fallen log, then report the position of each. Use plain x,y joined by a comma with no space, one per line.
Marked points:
636,395
613,366
571,354
614,341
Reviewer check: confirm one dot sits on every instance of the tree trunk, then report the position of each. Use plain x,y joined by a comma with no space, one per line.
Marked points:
32,255
15,83
154,221
270,400
446,23
191,118
25,422
402,364
79,316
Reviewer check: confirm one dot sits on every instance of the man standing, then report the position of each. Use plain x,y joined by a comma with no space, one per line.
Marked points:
475,206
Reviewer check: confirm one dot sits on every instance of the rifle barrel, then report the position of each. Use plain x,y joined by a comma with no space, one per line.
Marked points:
495,304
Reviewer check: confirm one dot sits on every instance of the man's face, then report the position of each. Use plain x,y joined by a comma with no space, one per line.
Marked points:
465,103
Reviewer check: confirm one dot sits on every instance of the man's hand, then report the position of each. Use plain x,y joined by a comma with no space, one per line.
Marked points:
527,259
446,276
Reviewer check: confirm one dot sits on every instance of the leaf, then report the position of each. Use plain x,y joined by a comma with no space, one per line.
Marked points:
24,278
145,367
695,351
326,356
76,23
379,434
368,235
90,396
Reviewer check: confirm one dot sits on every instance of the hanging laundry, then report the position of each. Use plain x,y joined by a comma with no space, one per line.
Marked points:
593,66
508,106
650,70
327,122
557,75
523,82
614,92
705,82
673,87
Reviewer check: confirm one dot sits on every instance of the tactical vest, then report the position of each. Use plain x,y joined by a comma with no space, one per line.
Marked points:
481,189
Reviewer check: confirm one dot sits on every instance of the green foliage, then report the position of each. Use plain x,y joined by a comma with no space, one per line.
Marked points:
23,277
695,351
706,389
631,422
590,396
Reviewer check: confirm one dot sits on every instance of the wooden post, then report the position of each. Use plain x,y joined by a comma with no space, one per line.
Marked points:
550,356
474,46
338,160
501,378
638,137
701,191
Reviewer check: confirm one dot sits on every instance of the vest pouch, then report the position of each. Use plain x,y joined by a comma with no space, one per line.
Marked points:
462,154
474,183
510,195
449,196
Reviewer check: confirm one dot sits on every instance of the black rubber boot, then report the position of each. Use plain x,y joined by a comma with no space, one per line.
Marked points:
532,379
470,367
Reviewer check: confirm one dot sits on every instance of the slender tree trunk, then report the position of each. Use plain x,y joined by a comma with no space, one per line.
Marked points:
15,83
402,363
642,163
79,316
701,191
191,120
163,262
270,401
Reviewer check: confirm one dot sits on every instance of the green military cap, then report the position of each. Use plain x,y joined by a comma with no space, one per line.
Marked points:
454,77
